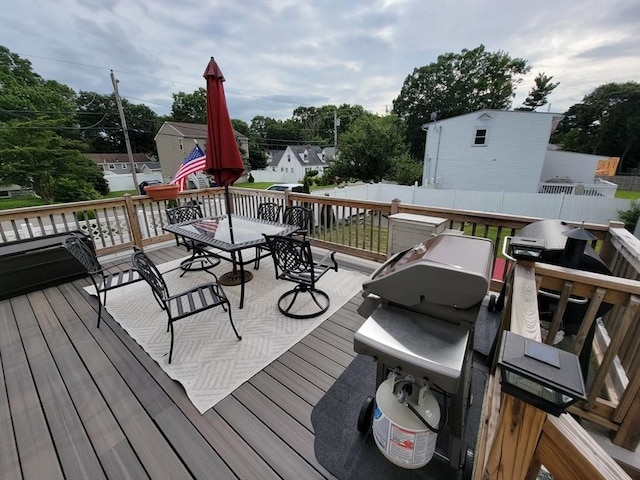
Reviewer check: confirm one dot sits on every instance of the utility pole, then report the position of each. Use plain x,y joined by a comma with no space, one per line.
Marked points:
123,121
336,123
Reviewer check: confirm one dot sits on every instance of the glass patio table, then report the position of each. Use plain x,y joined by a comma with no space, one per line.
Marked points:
216,232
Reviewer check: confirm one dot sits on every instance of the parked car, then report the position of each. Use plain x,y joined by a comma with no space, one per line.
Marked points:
146,183
283,187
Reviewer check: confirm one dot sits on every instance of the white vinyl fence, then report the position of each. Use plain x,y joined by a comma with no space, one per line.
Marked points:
275,177
124,181
575,208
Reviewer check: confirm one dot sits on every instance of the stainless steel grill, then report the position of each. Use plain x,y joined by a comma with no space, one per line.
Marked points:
421,307
562,248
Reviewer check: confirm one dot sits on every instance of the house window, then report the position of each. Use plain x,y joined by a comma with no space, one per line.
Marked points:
180,144
112,166
125,166
481,136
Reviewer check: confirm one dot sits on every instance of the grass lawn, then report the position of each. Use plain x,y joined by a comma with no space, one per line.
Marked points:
629,194
21,202
254,185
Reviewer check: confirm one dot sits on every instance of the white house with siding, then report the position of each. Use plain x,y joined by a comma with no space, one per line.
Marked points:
291,165
501,150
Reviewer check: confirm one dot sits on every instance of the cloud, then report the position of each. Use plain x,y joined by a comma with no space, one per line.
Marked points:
278,55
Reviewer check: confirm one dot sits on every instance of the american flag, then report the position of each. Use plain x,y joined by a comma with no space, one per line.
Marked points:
207,227
192,163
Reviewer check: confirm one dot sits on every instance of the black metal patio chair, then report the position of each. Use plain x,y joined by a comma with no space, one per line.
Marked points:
199,253
102,280
298,216
269,211
183,304
294,262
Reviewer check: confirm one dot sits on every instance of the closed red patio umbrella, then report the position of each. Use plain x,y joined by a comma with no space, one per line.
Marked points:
223,155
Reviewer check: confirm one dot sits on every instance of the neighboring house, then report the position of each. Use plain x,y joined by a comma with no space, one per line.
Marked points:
12,190
296,160
175,140
501,150
118,163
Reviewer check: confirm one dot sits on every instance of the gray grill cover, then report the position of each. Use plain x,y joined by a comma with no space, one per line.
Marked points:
447,270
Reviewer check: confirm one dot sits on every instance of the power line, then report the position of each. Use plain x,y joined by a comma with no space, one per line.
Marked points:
232,92
52,112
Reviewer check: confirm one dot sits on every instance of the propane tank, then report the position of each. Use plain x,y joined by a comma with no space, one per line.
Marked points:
399,434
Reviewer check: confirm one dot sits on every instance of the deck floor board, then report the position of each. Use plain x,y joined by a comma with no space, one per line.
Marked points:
36,450
125,418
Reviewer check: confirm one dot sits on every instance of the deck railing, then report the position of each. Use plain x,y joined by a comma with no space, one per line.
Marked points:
359,228
515,438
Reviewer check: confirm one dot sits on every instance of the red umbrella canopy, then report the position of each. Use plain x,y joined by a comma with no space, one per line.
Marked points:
223,154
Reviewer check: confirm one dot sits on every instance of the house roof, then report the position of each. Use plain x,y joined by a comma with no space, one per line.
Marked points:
307,155
193,130
274,156
489,112
119,158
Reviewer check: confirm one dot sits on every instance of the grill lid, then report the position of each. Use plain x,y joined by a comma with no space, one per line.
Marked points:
448,270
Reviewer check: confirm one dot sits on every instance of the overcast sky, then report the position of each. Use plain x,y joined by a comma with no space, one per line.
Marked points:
277,55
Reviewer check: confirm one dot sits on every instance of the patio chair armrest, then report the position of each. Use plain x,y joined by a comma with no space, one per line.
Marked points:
217,288
329,261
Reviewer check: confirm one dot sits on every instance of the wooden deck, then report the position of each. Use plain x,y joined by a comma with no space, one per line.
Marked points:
88,403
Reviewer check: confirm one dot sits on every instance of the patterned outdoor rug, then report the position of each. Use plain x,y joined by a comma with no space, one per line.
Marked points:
208,360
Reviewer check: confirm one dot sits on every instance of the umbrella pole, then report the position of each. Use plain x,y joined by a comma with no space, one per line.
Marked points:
227,200
234,277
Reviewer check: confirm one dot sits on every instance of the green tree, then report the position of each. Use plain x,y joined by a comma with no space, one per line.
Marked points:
47,170
190,107
315,122
406,170
257,158
370,148
630,217
25,95
538,95
241,126
259,125
269,133
607,122
318,122
457,83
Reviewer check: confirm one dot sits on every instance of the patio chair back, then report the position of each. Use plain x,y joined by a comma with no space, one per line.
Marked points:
81,251
102,280
181,214
150,273
298,216
184,304
201,258
269,211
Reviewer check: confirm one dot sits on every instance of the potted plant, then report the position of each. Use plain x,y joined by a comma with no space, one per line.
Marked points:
162,192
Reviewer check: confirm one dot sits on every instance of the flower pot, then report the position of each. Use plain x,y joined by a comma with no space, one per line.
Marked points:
162,192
